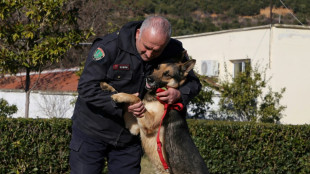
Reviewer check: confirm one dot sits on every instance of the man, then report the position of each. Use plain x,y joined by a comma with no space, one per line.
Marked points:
123,59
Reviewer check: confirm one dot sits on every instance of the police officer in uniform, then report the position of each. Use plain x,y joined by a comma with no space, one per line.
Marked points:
122,59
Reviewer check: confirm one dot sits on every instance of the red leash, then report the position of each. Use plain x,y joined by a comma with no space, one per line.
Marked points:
176,106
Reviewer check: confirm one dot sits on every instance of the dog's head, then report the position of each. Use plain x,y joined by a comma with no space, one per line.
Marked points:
171,75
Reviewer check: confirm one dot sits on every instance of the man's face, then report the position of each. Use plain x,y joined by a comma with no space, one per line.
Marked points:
150,45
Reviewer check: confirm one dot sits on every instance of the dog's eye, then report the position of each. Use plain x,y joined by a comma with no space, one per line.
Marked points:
166,74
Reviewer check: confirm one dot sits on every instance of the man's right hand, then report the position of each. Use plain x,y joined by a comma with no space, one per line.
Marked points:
137,109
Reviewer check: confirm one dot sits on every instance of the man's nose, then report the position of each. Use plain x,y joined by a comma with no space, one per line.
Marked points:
149,54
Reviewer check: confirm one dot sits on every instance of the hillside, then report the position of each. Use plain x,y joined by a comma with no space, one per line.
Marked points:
186,17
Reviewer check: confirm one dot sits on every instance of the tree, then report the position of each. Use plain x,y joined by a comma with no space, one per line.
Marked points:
54,106
6,109
200,104
240,98
270,110
35,34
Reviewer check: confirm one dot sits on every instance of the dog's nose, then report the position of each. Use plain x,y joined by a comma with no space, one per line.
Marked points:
150,79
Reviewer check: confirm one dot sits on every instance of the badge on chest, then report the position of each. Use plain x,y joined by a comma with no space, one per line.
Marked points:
124,67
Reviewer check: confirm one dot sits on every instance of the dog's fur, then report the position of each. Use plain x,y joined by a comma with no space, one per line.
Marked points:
179,150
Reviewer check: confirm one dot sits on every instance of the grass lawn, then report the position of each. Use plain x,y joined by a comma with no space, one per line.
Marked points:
146,166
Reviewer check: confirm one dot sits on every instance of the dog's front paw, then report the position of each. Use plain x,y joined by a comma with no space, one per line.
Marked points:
125,98
135,130
106,87
117,98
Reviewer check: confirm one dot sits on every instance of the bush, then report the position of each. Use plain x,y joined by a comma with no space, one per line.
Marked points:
6,110
41,146
244,147
34,145
240,98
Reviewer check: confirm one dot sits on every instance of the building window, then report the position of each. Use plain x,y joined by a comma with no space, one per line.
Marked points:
240,66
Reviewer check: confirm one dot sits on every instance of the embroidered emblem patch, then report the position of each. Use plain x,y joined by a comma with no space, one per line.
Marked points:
121,67
99,54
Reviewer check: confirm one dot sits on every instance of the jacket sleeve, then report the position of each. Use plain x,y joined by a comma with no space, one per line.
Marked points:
95,71
191,88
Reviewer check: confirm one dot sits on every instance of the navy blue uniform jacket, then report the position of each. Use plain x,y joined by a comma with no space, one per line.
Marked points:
120,65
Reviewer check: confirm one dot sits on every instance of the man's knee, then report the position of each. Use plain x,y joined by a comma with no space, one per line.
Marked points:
125,160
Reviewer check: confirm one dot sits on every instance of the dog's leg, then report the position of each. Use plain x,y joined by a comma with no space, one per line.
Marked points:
148,126
182,153
151,120
130,120
125,98
152,117
131,123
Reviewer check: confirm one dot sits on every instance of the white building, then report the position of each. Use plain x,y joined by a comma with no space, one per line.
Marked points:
283,49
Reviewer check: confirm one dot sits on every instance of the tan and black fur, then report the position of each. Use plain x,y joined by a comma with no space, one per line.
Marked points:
171,75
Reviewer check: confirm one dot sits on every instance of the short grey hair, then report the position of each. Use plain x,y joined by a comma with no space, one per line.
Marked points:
159,23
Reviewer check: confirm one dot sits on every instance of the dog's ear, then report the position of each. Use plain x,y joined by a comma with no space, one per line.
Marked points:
187,66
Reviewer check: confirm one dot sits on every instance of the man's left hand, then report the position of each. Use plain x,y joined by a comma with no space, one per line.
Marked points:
169,96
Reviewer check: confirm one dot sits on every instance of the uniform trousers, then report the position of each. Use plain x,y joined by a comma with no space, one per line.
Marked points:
88,156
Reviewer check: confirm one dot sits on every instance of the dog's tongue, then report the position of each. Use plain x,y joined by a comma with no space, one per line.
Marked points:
147,85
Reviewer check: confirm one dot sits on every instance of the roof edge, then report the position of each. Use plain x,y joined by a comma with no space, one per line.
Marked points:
292,26
244,29
222,31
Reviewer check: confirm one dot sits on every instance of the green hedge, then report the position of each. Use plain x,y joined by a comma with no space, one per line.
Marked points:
238,147
34,145
41,146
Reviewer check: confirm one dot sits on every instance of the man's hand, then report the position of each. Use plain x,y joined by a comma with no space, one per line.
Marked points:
137,109
169,96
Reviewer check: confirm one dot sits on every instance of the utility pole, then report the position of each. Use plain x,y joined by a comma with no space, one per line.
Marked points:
271,7
270,35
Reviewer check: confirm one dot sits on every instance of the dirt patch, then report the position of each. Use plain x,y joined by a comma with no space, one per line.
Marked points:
281,11
266,12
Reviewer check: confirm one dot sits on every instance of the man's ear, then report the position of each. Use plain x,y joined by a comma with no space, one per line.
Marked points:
137,33
187,66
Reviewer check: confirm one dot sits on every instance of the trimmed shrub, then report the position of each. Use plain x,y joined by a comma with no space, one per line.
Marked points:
245,147
41,146
34,145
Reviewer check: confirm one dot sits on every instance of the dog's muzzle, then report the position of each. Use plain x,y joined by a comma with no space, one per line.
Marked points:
150,83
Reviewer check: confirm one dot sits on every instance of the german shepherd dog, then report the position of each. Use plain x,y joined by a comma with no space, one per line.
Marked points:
179,150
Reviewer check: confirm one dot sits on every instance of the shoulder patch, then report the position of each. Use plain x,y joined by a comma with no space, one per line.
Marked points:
98,54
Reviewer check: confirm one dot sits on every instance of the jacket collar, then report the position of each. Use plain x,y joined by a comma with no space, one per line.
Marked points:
127,37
